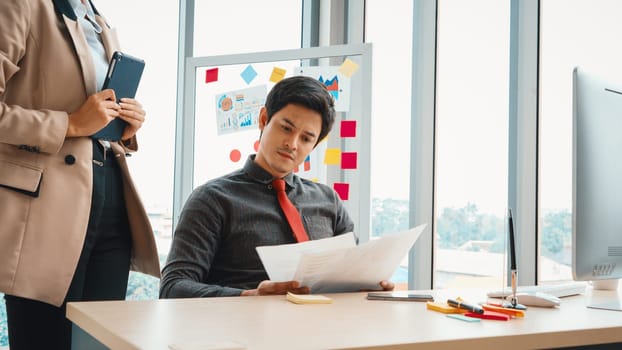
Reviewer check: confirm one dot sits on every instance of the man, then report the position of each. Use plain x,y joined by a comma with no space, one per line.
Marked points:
213,250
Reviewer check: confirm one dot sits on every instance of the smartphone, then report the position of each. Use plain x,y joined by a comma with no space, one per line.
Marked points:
401,296
124,73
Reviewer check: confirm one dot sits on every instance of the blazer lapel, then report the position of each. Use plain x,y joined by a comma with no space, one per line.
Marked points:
108,36
84,55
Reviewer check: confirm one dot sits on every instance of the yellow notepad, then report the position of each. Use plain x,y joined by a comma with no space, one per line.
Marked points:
308,298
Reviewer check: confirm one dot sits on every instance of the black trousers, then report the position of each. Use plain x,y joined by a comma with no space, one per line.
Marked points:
101,273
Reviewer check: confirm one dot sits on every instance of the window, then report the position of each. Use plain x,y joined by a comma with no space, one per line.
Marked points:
471,142
391,77
573,33
241,26
249,28
152,166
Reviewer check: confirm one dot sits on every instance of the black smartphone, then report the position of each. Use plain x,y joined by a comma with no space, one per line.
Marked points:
400,296
124,73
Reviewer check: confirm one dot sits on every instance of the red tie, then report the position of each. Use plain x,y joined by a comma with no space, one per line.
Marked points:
291,213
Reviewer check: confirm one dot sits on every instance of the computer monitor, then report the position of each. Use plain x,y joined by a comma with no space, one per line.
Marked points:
597,178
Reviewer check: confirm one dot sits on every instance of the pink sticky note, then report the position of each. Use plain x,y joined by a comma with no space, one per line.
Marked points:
348,160
211,75
348,128
343,190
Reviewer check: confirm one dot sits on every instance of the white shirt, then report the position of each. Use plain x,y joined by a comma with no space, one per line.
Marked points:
91,29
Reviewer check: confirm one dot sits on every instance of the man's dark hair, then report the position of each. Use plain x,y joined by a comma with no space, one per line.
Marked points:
304,91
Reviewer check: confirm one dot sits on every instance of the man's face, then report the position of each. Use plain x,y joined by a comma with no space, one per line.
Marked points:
287,140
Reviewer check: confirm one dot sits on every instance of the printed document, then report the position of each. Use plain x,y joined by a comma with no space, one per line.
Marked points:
337,264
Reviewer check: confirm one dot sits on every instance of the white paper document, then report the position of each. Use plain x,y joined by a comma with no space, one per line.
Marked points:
329,267
280,261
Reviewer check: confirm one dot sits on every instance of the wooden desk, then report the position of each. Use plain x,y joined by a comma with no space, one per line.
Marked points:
350,321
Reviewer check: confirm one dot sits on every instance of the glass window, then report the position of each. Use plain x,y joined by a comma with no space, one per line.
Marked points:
391,95
573,33
248,28
471,142
241,26
157,92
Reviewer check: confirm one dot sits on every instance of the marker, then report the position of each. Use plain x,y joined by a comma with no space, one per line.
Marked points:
465,306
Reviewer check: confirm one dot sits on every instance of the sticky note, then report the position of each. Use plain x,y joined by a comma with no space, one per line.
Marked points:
443,307
348,160
277,74
489,315
463,318
211,75
343,190
348,128
348,67
332,156
308,298
248,74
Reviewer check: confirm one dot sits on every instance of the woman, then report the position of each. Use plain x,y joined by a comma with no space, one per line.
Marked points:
72,221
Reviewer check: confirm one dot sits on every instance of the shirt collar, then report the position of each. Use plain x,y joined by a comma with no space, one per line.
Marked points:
81,10
261,175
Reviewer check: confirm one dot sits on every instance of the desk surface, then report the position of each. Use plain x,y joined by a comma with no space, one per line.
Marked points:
351,321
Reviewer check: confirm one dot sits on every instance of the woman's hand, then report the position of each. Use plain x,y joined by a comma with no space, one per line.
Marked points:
133,113
95,113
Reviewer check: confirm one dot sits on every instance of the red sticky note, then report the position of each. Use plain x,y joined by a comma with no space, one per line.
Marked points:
343,190
211,75
348,128
348,160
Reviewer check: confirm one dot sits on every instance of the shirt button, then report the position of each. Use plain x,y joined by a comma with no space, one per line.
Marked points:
70,159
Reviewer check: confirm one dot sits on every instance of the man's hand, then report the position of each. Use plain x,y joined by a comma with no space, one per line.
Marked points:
96,112
272,288
387,285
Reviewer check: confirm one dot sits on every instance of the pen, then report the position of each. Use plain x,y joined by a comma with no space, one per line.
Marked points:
465,306
513,269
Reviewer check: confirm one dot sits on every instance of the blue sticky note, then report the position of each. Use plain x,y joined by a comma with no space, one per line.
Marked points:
248,74
463,318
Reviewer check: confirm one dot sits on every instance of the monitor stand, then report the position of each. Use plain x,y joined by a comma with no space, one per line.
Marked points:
611,285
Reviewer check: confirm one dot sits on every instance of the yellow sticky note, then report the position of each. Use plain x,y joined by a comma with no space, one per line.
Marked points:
348,67
277,74
332,156
444,308
308,298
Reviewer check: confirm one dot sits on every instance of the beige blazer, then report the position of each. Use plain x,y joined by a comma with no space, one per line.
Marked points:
45,179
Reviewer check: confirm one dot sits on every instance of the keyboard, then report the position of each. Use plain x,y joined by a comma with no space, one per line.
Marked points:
561,290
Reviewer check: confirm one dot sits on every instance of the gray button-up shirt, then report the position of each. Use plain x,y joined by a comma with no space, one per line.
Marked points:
213,250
